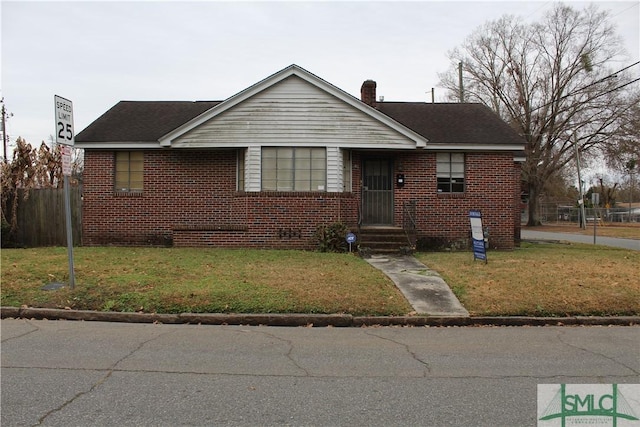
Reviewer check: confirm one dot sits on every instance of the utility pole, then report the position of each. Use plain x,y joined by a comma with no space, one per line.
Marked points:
460,82
4,131
583,220
631,165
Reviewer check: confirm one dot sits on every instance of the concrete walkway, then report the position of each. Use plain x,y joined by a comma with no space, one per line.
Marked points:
425,290
581,238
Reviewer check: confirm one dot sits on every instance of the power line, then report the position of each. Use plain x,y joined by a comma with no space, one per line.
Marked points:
624,10
614,74
620,87
538,9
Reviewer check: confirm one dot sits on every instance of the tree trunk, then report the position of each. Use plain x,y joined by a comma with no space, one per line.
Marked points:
534,207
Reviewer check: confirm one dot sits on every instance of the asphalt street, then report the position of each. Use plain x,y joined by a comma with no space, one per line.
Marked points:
580,238
72,373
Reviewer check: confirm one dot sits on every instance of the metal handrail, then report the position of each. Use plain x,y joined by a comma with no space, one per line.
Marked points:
409,222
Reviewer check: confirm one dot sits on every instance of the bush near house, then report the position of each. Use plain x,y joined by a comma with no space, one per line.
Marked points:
332,237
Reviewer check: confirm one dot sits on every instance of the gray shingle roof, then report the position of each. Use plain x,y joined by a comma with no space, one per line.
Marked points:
147,121
452,123
143,121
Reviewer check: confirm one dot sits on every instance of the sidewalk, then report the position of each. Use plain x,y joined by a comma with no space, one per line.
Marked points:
425,290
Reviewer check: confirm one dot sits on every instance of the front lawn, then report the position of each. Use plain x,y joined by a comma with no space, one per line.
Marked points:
174,280
544,280
536,279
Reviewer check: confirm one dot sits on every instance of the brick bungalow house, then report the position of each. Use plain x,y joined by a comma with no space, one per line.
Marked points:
268,165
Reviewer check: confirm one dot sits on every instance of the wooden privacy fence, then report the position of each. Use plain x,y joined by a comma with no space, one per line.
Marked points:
41,218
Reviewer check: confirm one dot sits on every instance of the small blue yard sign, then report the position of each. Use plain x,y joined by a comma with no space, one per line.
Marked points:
350,238
477,235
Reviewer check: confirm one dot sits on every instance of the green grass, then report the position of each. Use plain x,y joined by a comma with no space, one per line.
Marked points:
175,280
536,279
544,280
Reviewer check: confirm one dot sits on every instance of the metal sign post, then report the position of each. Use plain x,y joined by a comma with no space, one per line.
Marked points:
350,238
65,136
595,200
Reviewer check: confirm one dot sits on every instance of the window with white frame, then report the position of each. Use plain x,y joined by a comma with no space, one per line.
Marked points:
294,169
450,172
129,171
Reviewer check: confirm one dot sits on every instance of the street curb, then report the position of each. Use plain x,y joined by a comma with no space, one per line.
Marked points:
335,320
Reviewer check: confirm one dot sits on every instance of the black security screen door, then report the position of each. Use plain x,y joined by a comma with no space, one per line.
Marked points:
377,192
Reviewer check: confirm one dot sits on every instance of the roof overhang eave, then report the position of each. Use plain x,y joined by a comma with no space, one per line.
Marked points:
470,146
205,145
117,145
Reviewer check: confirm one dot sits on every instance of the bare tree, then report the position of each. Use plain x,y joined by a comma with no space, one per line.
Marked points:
49,166
29,168
552,82
18,174
626,150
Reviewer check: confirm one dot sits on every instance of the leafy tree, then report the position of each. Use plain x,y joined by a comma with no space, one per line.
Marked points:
552,83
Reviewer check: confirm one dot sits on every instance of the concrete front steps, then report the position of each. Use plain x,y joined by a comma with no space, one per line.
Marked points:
382,239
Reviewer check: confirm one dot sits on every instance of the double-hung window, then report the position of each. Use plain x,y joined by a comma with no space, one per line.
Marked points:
294,169
129,176
450,172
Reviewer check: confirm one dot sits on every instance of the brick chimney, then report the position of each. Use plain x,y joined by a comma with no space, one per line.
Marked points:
368,93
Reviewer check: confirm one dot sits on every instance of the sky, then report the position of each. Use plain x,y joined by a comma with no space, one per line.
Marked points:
98,53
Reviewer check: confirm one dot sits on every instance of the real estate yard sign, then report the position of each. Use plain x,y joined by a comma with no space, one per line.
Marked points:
477,236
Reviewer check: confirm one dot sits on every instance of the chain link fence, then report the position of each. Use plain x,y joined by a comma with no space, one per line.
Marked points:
555,213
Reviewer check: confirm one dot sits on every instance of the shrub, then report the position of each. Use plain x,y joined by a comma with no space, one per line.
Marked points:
332,237
439,243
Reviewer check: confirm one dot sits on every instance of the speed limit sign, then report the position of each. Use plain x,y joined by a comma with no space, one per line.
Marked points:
64,121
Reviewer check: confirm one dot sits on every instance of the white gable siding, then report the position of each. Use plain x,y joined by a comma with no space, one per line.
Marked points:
293,112
334,169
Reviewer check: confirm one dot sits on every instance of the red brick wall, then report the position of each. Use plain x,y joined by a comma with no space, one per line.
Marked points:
490,186
190,199
517,204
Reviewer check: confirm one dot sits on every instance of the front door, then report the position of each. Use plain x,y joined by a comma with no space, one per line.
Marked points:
377,192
